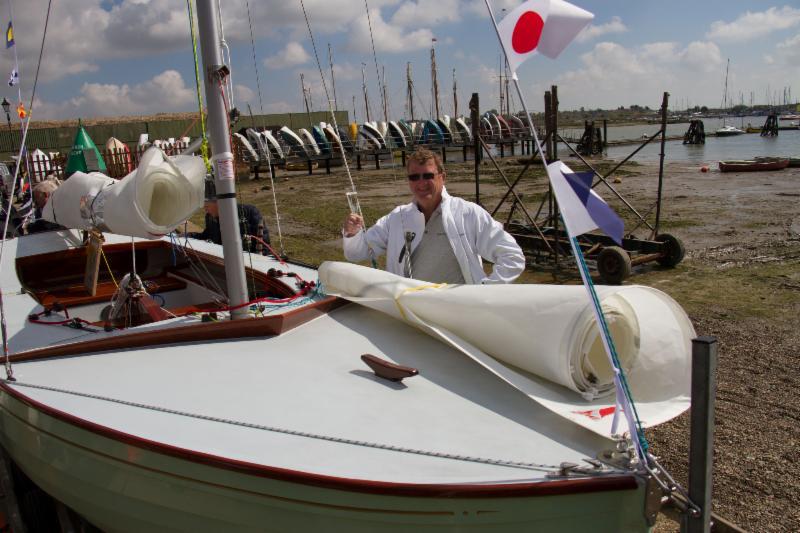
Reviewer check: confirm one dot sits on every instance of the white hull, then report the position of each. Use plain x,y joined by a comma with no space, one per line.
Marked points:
122,484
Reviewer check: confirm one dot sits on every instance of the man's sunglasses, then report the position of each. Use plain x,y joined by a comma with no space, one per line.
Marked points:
425,176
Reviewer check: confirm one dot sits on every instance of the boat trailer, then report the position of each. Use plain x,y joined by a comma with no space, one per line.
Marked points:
542,236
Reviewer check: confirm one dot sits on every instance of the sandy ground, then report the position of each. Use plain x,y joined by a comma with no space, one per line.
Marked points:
740,282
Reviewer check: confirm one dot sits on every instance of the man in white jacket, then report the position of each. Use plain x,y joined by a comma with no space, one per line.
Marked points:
437,237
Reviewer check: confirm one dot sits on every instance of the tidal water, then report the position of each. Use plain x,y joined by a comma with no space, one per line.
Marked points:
746,146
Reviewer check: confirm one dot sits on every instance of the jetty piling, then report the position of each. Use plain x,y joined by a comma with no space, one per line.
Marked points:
696,134
770,127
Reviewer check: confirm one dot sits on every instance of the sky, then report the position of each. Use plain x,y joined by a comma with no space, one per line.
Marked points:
134,57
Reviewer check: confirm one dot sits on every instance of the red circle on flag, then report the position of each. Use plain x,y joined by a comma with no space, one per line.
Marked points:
527,32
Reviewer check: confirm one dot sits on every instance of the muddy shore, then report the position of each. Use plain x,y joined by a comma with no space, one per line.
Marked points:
739,282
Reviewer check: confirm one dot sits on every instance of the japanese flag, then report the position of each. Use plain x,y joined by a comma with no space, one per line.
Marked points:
544,26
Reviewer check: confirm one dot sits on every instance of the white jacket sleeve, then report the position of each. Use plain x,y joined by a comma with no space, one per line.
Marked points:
496,245
356,248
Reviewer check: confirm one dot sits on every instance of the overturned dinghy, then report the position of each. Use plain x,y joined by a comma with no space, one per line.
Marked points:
463,130
309,141
397,135
294,142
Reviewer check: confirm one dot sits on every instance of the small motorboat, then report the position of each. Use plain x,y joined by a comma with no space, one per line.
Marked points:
752,165
728,131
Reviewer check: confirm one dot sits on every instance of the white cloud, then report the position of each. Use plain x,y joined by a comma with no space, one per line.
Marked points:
621,76
294,54
752,25
788,51
388,38
165,92
429,12
244,94
478,7
593,31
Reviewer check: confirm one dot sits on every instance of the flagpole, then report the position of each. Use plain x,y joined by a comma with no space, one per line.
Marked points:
623,400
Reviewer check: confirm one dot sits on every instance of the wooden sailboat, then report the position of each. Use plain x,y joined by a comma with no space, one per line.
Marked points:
238,398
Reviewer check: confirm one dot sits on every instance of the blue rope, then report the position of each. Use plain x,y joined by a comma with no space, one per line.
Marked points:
614,356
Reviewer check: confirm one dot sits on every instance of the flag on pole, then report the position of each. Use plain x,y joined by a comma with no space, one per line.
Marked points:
581,208
14,78
21,111
544,26
9,35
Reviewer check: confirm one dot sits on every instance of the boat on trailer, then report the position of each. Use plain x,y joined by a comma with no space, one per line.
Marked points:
144,392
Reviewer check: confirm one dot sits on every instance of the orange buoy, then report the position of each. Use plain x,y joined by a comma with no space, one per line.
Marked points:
704,168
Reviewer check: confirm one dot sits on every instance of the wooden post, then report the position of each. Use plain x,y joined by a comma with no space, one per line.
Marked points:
444,154
328,164
310,167
377,161
701,446
554,117
358,161
502,151
664,104
403,157
548,111
474,113
605,133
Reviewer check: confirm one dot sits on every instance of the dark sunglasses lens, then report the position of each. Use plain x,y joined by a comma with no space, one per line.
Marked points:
425,176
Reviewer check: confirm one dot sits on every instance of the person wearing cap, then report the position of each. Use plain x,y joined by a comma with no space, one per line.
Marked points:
437,237
250,223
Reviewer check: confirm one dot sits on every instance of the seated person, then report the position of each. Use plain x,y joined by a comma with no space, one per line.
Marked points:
250,223
41,194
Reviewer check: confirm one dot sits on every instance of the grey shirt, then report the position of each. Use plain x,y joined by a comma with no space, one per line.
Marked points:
433,259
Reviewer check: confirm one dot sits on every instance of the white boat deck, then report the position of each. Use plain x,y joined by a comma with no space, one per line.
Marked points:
311,380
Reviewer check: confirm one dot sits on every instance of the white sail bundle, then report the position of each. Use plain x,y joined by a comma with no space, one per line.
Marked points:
149,202
549,333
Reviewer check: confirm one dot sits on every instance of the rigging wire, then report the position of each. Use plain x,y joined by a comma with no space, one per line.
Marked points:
9,371
268,150
19,93
226,52
374,56
204,144
357,205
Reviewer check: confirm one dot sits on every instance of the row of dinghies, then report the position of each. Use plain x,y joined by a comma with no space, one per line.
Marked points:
328,139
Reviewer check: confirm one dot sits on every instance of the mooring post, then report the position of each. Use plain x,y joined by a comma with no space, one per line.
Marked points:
605,133
474,117
554,116
664,105
403,157
701,436
377,161
444,154
358,161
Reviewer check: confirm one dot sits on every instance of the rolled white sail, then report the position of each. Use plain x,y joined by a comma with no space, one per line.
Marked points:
547,331
149,202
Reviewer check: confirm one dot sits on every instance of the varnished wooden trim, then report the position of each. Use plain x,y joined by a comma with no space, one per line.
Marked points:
205,331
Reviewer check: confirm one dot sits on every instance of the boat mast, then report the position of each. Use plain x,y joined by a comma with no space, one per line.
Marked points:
455,96
725,93
306,98
410,91
385,99
333,80
434,81
364,87
215,73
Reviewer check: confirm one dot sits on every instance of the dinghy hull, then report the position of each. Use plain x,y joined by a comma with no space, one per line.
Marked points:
123,483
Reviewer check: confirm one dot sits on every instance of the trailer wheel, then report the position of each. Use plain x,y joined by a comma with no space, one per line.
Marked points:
613,264
673,248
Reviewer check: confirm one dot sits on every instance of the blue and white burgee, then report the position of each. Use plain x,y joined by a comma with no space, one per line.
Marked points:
581,208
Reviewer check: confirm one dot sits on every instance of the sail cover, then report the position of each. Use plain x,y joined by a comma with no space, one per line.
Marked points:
149,202
543,339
